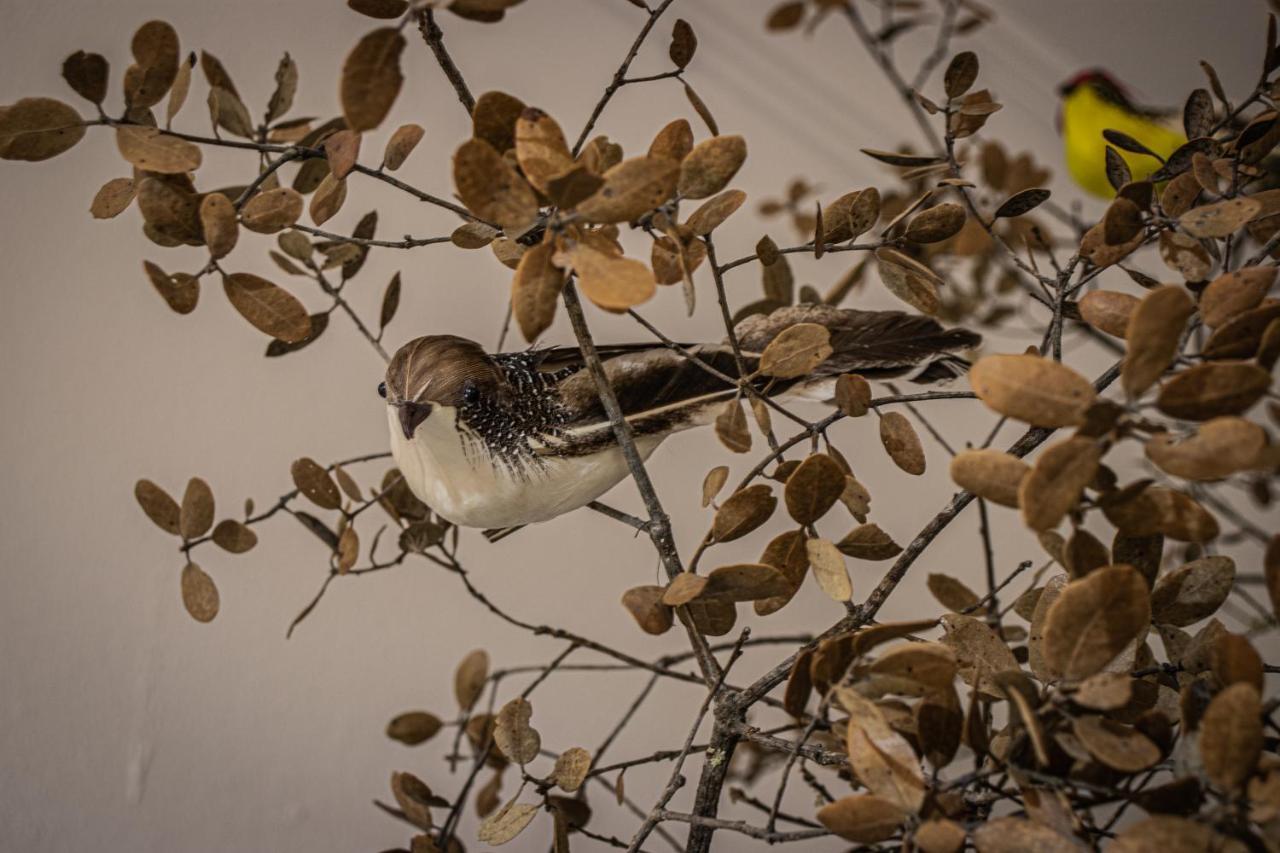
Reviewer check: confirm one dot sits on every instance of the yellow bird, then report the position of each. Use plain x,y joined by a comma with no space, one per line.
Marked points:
1092,101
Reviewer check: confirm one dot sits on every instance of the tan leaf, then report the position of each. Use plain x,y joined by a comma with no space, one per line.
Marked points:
714,482
1153,335
153,150
709,167
535,290
1213,389
1185,255
1053,486
414,727
731,427
371,78
315,484
936,223
1218,449
644,603
218,220
401,145
813,488
158,505
180,291
506,823
714,211
571,768
952,593
268,308
978,649
541,149
930,665
196,514
829,569
868,542
513,735
328,199
1117,746
901,443
470,677
863,818
1035,390
113,198
744,582
853,395
1093,620
939,835
1108,311
38,128
269,211
742,512
342,149
1019,835
1219,219
612,282
880,757
491,189
1231,736
155,53
231,535
796,351
1160,510
1193,592
631,189
1235,292
990,474
199,594
909,280
348,550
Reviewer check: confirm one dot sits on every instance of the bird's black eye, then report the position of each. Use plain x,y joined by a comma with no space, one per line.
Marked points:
382,390
470,393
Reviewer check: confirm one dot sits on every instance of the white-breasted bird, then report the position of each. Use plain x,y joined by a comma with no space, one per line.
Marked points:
503,440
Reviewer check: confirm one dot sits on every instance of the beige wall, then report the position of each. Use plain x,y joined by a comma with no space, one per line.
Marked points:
124,725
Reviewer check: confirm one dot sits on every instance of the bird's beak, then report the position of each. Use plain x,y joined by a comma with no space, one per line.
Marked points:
411,415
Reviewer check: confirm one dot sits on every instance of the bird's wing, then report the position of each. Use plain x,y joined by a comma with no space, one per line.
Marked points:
659,389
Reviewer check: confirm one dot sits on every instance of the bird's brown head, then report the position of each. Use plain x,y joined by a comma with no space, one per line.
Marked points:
1099,80
438,370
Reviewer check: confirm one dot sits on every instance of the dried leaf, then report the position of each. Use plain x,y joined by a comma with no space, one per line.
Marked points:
218,221
1231,736
1218,449
271,210
909,280
196,514
414,727
268,308
863,818
1032,389
153,150
710,166
232,536
1213,389
158,505
829,569
813,488
796,351
505,824
86,73
328,199
1117,746
714,482
371,78
199,594
612,282
490,188
571,768
513,735
1054,484
1093,620
901,443
470,677
744,511
1193,592
683,43
631,189
1235,292
868,542
1108,311
990,474
180,291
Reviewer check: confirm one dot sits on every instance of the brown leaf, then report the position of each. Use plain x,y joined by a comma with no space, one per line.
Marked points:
494,119
1213,389
1093,620
1168,834
1185,255
86,73
813,488
673,142
880,757
744,582
196,514
868,542
112,198
990,474
1231,736
796,351
1219,219
743,512
158,505
937,223
1117,746
328,199
414,727
1053,486
939,835
401,145
153,150
315,484
909,280
1218,449
978,649
1021,202
863,818
710,166
631,189
644,603
268,211
1018,835
535,290
506,823
683,43
714,211
268,308
513,735
371,78
180,291
541,149
571,768
470,677
490,188
901,443
612,282
714,482
1160,510
951,593
180,89
829,569
1108,311
231,535
1035,390
199,594
731,427
218,221
853,395
1233,293
1193,592
342,150
960,74
155,53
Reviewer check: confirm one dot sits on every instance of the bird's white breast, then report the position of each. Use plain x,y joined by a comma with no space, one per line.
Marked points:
459,482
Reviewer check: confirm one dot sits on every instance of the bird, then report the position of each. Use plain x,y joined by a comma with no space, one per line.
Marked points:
1093,101
499,441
